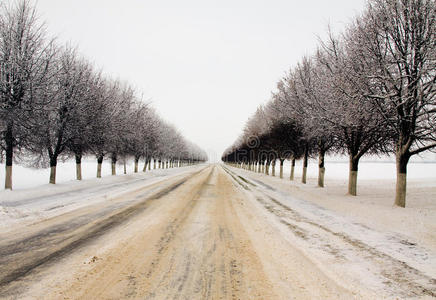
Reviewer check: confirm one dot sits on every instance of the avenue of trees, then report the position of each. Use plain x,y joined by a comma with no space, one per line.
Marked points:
370,90
54,104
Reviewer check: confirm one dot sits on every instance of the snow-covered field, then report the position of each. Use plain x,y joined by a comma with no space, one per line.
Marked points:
367,169
335,169
23,177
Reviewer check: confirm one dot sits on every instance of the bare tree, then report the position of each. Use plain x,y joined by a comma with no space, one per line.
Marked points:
355,122
85,121
290,102
25,67
398,39
60,125
316,129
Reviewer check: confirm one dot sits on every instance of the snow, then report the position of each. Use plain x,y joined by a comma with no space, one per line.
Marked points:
23,177
28,205
336,168
365,237
367,169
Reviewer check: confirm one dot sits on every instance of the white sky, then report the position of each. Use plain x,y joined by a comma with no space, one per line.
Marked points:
205,65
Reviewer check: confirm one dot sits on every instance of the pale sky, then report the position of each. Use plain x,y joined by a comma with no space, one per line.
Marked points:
205,65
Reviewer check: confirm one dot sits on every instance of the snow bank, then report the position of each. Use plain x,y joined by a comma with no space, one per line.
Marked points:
24,206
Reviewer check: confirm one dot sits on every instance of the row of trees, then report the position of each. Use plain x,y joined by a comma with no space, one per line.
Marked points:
370,90
54,104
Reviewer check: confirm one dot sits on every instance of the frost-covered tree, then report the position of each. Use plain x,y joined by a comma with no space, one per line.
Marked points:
317,126
138,138
396,41
59,126
252,140
123,101
55,105
285,134
104,93
355,122
26,56
85,122
290,101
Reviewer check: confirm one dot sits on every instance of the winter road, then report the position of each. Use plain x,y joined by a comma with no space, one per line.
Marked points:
209,233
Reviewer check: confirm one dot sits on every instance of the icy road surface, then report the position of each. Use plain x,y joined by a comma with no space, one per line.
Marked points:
207,232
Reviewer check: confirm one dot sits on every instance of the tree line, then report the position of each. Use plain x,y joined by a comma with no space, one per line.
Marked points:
369,90
55,104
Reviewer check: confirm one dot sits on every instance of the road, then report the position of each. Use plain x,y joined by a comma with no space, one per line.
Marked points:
193,236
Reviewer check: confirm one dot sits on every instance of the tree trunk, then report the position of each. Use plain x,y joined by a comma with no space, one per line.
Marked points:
99,163
305,159
78,166
273,170
149,164
145,165
154,164
53,163
267,167
352,177
402,159
52,175
124,167
136,164
114,165
9,139
8,177
259,167
291,177
281,167
321,168
160,164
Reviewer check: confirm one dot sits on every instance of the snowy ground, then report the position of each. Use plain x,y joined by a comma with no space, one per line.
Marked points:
365,237
336,168
367,169
23,177
29,205
219,229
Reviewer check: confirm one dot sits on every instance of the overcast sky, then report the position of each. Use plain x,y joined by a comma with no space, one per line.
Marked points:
205,65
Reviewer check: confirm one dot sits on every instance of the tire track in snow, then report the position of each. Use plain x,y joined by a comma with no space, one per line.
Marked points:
397,276
21,257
